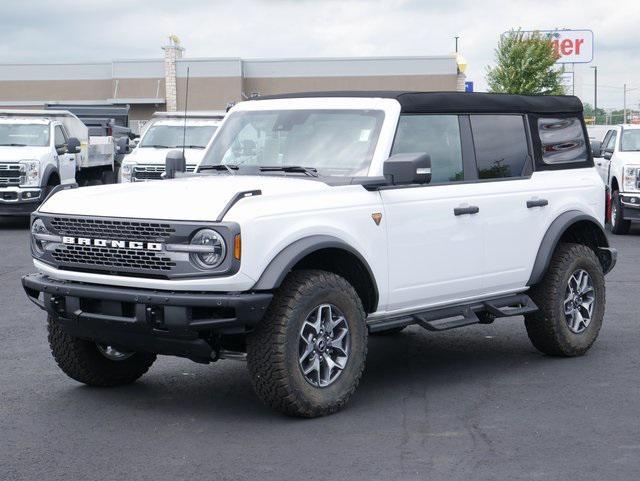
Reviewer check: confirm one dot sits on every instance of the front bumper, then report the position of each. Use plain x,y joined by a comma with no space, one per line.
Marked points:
631,206
162,322
20,201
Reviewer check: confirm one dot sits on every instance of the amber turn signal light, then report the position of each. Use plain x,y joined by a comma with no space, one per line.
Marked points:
237,247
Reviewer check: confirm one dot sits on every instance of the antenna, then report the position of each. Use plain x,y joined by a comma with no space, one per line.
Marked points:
186,106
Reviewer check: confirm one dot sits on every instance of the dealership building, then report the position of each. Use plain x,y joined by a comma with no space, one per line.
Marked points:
149,85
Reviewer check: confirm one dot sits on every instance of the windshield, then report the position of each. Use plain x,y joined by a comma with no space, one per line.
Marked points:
630,140
31,135
335,142
171,136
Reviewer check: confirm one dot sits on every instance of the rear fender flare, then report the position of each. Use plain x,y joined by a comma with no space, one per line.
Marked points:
552,237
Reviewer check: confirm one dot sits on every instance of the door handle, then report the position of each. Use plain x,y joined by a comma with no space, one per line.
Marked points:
472,209
537,203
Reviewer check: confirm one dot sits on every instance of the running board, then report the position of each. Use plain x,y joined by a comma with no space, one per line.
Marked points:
443,319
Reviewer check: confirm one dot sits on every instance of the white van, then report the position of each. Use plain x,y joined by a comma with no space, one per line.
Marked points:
167,131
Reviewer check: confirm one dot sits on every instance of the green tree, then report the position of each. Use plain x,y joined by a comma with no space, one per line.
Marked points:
525,64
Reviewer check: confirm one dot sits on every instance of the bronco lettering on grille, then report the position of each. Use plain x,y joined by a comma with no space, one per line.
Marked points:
116,244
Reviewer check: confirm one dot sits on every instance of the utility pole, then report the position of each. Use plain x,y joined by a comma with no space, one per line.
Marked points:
456,43
595,92
624,105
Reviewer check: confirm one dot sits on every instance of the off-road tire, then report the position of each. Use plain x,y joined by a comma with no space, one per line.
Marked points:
272,349
81,360
547,328
619,226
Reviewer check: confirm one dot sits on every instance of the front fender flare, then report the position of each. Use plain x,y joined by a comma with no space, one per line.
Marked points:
288,257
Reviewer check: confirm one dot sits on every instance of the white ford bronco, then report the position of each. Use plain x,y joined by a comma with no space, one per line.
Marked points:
315,220
617,159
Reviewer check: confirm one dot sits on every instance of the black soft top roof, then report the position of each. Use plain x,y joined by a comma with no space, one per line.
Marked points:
459,102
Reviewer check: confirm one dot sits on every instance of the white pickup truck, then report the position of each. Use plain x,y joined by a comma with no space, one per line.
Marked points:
617,159
41,149
170,130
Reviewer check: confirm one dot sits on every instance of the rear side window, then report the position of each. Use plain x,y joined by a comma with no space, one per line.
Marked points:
436,135
501,145
562,140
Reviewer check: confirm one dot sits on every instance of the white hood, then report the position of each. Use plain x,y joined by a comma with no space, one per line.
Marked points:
191,198
154,156
15,154
628,158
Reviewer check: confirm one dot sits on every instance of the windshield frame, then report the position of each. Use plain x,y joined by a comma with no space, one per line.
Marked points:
624,132
391,108
44,126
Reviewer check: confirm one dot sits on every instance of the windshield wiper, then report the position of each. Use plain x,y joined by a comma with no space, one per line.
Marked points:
157,146
228,167
310,171
190,146
15,145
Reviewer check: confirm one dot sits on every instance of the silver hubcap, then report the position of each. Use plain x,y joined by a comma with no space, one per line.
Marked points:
614,213
112,354
324,345
579,301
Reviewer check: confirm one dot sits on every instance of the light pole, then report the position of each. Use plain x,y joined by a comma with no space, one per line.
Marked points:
595,93
456,43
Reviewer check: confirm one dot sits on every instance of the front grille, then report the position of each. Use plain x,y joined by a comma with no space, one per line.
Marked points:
153,172
115,259
119,246
112,229
9,175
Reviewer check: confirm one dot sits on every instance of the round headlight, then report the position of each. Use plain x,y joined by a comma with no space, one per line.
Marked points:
213,252
37,245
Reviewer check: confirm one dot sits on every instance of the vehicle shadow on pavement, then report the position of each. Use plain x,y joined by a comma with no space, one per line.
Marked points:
396,366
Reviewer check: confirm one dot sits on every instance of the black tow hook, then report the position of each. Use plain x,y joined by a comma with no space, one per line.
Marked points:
57,305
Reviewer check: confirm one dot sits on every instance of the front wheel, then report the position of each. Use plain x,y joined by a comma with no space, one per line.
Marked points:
571,300
619,226
96,364
308,353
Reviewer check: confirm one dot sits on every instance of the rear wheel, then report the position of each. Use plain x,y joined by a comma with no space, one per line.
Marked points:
571,300
96,364
619,226
307,355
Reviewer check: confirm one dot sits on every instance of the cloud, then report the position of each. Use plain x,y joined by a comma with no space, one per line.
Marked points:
66,30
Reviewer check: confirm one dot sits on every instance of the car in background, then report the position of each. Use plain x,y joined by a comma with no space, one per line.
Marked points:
190,132
617,160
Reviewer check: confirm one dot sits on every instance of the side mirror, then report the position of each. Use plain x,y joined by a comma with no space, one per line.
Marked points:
607,154
596,148
135,142
122,146
73,146
174,163
411,168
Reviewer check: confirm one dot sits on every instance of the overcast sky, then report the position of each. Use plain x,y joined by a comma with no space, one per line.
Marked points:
66,30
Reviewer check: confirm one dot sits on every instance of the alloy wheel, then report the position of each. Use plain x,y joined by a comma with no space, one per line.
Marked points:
324,345
579,301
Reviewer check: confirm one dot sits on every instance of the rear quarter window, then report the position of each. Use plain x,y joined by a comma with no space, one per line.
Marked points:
563,140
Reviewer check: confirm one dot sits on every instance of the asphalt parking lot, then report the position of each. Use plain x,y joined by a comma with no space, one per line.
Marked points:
476,403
